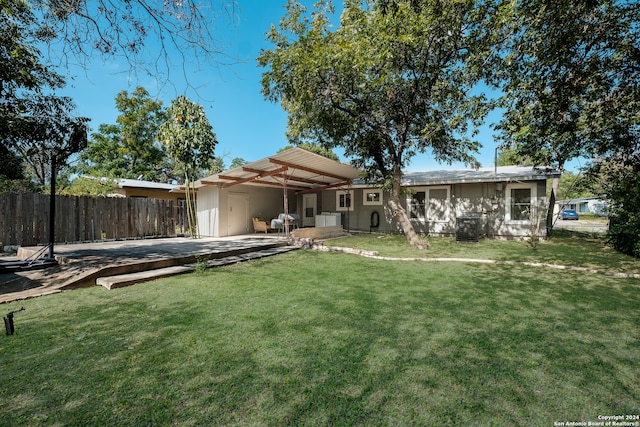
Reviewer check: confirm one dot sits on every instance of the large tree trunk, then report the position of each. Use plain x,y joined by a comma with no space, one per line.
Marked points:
400,215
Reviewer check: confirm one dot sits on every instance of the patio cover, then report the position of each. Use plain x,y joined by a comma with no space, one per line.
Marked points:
295,169
291,169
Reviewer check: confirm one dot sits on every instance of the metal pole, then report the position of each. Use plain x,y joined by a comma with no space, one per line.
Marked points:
52,208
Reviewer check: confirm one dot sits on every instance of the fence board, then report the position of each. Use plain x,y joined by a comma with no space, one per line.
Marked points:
24,218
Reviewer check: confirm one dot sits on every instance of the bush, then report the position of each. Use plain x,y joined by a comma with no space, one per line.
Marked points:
624,233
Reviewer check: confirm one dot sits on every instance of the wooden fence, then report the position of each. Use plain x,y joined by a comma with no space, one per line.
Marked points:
24,219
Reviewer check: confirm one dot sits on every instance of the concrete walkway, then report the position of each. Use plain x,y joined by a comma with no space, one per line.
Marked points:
81,265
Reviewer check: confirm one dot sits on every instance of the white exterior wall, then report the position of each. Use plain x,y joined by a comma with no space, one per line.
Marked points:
213,206
209,211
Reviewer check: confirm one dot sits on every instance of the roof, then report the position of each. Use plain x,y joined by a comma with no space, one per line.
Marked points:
582,200
137,183
302,169
460,176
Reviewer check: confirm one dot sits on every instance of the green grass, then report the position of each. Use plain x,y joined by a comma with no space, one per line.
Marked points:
566,248
314,338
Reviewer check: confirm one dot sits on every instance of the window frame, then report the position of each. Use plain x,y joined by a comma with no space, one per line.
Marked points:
351,199
427,205
533,198
366,202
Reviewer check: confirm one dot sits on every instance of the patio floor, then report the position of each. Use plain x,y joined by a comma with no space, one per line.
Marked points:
80,265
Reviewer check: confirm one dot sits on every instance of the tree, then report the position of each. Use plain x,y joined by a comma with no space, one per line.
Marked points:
574,186
88,186
571,73
183,31
190,141
396,78
22,72
129,148
51,134
620,182
237,162
26,113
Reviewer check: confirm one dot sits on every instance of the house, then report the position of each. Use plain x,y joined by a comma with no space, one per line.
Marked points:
147,190
498,202
586,205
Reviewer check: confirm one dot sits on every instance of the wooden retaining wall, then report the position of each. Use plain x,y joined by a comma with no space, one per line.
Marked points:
24,219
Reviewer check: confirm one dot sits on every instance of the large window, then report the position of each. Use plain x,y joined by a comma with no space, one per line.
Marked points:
520,202
429,204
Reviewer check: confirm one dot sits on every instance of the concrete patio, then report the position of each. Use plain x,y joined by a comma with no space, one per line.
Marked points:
85,264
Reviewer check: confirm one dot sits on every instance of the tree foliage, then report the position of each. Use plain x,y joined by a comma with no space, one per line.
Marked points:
620,183
396,78
189,140
572,74
187,135
128,149
35,124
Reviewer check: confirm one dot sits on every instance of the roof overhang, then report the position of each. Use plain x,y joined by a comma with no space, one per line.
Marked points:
467,176
299,169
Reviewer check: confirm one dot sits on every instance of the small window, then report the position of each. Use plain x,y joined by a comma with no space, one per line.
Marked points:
372,197
520,202
417,205
344,200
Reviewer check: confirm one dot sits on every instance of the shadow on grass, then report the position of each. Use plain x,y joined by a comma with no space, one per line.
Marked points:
337,340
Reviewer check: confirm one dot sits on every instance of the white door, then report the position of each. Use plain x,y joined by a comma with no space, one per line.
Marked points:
309,204
238,214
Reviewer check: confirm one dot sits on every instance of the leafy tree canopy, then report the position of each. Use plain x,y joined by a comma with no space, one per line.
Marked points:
36,126
188,136
571,79
395,78
128,149
189,140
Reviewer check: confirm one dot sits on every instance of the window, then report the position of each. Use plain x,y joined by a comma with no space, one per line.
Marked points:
520,202
417,205
344,200
372,197
430,203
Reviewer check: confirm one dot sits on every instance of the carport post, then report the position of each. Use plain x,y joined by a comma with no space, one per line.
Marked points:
286,206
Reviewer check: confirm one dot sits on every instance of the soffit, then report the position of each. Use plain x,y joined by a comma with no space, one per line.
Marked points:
301,169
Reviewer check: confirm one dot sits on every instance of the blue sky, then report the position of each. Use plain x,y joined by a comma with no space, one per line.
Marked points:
246,125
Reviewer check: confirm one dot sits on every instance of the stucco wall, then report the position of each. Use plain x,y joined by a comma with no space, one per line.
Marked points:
213,207
486,201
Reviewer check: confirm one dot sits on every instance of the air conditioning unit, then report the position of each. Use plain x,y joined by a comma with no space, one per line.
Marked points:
467,229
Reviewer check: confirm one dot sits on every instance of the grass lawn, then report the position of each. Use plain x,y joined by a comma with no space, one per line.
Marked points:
316,338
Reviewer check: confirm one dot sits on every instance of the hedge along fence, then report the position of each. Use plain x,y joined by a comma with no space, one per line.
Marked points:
24,219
